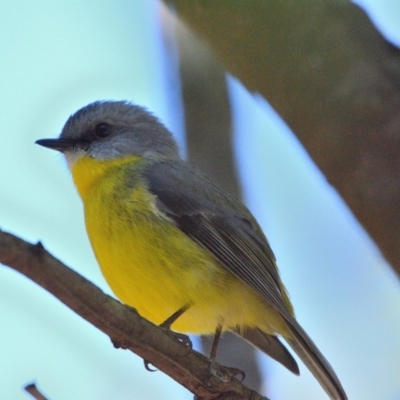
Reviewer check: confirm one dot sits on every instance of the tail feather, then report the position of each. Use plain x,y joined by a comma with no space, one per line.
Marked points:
315,361
305,349
270,345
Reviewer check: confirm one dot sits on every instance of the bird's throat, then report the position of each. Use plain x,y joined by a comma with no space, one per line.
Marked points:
87,171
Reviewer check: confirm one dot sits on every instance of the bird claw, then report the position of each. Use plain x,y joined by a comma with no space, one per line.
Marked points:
147,366
118,344
237,372
180,337
225,374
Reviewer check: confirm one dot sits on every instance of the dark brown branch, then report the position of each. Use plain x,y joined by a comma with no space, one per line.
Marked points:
122,324
334,79
34,392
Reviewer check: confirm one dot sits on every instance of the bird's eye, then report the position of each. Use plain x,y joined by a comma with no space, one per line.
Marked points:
102,130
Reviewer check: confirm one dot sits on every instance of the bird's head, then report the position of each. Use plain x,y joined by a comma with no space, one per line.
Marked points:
108,130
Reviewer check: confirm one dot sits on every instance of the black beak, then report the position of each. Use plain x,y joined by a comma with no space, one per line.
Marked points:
56,144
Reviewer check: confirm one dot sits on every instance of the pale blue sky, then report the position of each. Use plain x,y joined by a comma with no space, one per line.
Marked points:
57,57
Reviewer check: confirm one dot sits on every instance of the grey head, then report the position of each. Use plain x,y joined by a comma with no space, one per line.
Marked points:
108,130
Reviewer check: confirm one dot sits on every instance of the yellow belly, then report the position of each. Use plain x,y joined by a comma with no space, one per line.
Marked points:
154,267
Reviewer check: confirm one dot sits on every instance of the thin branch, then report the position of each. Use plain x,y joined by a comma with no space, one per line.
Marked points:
122,324
32,389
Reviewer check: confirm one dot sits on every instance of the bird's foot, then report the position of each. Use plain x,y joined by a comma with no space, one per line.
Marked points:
225,374
147,366
180,337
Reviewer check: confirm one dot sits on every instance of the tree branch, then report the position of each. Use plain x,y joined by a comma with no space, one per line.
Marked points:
32,389
122,324
334,80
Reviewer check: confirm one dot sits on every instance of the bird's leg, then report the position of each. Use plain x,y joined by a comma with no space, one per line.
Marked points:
213,354
217,335
170,320
166,326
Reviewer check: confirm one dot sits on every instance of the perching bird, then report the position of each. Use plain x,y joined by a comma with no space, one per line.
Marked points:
174,245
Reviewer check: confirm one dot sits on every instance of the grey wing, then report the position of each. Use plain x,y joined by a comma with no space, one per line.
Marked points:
222,225
219,223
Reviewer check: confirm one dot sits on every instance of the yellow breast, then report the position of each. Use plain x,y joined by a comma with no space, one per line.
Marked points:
148,262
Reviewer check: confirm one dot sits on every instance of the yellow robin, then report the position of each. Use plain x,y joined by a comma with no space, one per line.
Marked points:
174,245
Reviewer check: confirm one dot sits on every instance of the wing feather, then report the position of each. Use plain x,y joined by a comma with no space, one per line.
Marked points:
219,223
222,225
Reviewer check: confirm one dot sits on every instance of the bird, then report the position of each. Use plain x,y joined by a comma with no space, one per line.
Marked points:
170,242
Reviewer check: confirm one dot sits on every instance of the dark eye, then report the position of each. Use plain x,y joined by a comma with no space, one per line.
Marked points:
102,130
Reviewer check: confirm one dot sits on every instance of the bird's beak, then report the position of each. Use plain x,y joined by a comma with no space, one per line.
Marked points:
56,144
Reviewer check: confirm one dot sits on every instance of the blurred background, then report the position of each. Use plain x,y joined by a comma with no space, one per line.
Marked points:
57,57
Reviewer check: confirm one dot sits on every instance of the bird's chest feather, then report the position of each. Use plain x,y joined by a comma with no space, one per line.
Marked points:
147,261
